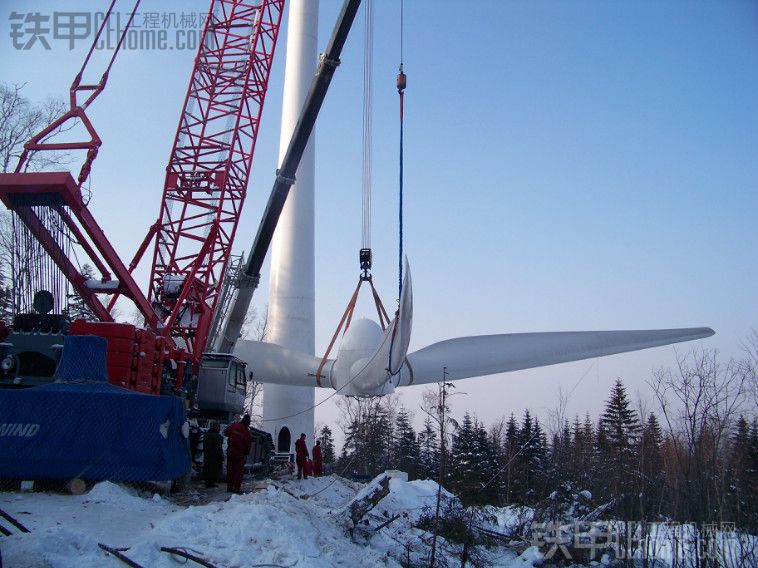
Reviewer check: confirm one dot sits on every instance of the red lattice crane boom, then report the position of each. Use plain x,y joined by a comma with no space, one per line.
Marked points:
209,167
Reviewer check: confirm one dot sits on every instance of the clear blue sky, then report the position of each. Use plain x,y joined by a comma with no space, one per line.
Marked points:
569,166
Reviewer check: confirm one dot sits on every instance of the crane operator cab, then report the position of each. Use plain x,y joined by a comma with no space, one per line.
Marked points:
221,386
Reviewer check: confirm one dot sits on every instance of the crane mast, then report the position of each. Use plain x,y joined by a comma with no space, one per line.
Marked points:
209,167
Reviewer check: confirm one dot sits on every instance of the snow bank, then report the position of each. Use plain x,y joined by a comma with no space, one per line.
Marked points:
289,523
269,527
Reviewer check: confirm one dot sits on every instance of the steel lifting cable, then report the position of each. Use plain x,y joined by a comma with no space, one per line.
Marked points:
401,83
366,181
368,72
368,87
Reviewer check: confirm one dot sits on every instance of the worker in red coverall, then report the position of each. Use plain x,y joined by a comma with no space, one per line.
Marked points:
238,445
301,455
318,460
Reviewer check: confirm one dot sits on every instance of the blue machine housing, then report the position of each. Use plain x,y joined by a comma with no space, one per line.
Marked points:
81,426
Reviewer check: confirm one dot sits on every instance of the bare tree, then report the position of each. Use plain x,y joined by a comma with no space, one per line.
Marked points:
255,328
19,121
6,243
556,416
699,403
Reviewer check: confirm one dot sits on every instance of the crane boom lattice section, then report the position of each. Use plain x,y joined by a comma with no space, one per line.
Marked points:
207,175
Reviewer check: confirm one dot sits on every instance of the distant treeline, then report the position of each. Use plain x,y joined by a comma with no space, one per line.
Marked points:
693,459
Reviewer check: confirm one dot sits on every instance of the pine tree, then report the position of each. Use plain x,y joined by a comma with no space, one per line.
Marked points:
496,477
621,428
366,440
428,451
621,423
512,436
327,445
652,478
523,482
463,461
346,460
559,468
651,444
577,452
752,512
350,457
743,474
599,481
485,457
589,460
538,461
76,307
378,442
406,451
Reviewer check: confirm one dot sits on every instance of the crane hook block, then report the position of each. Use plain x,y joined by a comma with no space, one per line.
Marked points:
365,260
401,81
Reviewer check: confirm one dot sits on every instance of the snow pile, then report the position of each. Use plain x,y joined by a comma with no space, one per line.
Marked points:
302,523
413,498
116,495
394,527
270,527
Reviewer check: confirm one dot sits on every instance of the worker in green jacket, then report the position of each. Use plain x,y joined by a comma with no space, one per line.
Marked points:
213,455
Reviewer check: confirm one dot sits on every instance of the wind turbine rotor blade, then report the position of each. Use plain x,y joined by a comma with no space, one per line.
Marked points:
271,363
477,356
402,337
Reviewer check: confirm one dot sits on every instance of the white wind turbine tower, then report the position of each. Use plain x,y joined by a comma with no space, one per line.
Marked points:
287,410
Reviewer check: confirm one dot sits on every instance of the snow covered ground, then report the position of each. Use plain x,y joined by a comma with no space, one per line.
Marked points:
287,523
